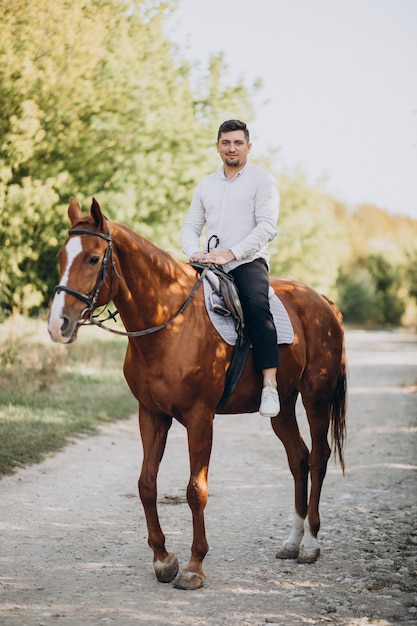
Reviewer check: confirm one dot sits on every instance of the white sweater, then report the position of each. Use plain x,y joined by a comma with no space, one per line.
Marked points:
241,212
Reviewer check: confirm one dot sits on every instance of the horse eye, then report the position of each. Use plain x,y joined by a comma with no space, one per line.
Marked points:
94,260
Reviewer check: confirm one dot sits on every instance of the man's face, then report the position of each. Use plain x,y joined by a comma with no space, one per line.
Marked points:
233,148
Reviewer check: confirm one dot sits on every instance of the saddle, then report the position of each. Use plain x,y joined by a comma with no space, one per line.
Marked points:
224,285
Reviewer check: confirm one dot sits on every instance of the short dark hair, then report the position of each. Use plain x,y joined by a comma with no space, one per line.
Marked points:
230,125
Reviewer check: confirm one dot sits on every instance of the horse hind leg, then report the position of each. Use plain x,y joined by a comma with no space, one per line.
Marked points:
154,431
318,414
302,542
286,428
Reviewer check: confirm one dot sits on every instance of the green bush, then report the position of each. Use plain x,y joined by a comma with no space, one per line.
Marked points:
369,293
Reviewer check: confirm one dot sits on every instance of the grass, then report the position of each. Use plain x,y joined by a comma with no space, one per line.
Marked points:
50,394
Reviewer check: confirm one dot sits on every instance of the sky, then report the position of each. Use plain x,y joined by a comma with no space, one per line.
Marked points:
339,95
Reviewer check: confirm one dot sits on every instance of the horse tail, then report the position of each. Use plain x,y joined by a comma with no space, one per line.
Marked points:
338,413
339,400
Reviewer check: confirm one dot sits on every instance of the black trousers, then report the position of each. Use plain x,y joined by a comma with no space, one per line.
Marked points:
252,282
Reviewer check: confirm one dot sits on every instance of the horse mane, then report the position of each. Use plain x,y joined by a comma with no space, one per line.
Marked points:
170,267
163,259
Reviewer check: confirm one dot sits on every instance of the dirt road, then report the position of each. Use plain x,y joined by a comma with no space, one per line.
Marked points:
73,538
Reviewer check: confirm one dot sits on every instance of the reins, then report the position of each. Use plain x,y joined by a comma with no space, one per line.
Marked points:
91,299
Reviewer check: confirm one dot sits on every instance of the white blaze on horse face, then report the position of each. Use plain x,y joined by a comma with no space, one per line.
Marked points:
72,249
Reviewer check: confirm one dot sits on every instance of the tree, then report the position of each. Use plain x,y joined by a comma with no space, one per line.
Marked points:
357,297
312,241
370,292
410,271
94,100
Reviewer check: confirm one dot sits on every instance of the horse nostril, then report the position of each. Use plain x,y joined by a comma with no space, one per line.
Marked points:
65,326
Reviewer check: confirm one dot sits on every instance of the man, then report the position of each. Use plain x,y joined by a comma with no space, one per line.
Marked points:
239,204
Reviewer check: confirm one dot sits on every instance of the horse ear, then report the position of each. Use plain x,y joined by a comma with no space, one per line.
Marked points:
74,210
97,215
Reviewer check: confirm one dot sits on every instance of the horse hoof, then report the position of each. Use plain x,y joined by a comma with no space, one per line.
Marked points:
287,552
189,581
308,556
165,572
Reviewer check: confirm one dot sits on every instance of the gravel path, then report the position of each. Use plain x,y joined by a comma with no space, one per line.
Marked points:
73,537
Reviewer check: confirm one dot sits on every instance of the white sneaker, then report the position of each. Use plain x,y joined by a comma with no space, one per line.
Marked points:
269,402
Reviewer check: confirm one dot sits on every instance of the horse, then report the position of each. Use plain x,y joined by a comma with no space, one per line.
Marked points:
162,308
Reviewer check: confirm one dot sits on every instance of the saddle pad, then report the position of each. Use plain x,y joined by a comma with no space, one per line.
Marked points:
225,326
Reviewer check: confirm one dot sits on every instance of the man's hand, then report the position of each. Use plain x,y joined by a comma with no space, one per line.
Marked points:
217,256
198,257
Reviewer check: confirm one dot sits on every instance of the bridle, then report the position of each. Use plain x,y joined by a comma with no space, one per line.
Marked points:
91,299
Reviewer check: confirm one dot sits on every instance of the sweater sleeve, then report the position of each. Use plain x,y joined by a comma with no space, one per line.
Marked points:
266,217
193,224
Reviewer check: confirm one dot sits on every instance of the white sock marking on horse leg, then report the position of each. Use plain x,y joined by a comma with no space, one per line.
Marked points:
297,530
290,547
309,542
309,547
72,249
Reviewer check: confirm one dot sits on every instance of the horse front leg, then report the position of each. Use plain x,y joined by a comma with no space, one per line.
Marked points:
154,430
200,436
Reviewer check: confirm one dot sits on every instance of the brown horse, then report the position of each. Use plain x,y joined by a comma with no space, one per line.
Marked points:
163,311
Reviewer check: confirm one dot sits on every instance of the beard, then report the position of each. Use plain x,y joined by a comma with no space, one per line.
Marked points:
232,162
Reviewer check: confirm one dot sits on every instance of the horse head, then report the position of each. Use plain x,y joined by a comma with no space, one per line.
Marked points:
86,272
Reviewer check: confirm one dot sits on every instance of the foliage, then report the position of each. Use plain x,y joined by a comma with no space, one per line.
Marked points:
410,272
370,292
356,296
94,100
377,284
312,241
374,231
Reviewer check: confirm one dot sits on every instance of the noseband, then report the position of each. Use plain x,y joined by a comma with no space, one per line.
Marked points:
91,299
